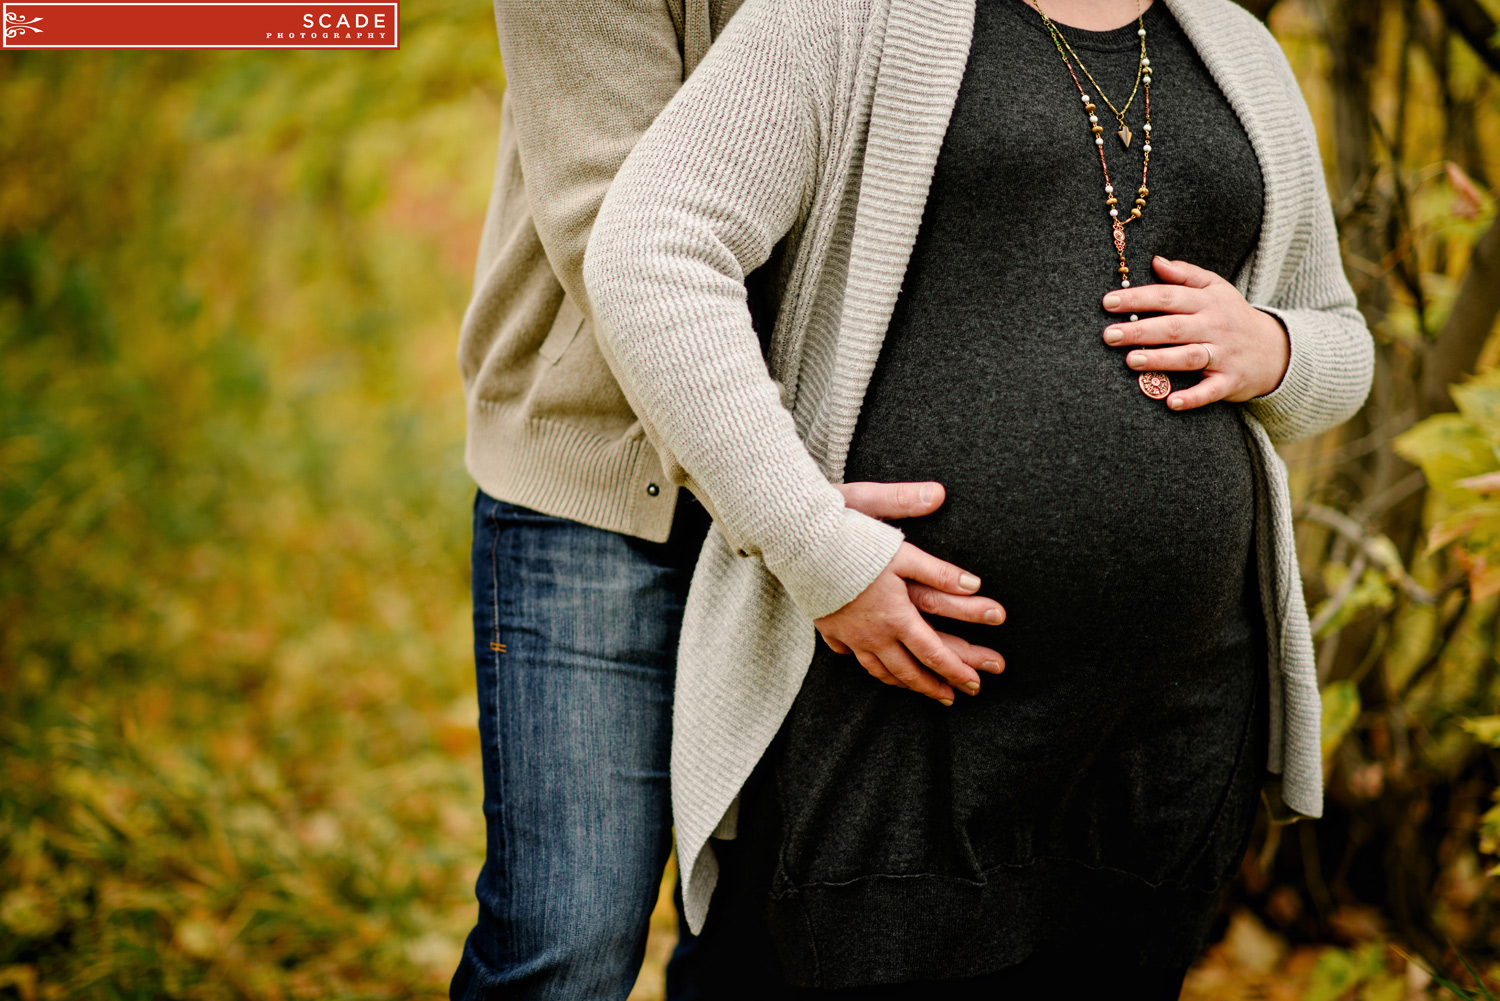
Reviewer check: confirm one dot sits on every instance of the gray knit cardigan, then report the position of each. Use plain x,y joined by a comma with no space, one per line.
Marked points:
817,123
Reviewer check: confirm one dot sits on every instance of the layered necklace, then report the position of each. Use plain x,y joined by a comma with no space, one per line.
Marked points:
1156,385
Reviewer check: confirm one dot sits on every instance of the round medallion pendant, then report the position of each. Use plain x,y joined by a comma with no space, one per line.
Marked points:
1157,385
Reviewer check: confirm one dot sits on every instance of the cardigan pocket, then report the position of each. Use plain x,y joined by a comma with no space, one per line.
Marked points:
564,331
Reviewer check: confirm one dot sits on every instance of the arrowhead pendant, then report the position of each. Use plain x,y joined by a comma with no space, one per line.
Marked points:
1124,135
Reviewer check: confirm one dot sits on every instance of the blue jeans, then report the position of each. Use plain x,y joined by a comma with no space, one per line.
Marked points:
575,643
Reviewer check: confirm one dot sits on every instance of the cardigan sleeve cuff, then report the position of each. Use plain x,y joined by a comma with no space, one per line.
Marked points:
1279,408
839,567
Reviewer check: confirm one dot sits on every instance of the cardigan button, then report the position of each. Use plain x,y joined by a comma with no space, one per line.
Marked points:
652,489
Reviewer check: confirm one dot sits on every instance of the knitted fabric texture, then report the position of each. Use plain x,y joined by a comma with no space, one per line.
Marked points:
818,122
548,427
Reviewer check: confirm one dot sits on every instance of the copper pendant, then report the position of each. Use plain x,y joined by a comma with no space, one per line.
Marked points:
1124,135
1157,385
1119,228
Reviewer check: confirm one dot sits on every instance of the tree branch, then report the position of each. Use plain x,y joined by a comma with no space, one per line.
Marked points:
1475,307
1476,26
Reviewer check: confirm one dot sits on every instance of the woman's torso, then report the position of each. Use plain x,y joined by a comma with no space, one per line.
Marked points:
1116,532
1068,490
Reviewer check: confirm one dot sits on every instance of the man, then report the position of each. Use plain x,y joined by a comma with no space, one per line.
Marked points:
583,548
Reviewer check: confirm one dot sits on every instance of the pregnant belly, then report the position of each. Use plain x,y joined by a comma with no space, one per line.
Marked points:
1099,524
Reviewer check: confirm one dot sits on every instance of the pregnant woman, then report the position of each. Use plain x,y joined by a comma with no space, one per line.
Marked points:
1074,261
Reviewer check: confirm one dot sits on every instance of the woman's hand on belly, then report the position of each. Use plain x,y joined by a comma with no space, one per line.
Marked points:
1208,326
884,629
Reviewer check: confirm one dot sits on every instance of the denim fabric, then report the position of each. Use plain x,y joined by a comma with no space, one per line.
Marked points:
575,639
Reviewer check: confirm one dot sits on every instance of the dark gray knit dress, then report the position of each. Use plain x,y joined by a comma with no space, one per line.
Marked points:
1097,794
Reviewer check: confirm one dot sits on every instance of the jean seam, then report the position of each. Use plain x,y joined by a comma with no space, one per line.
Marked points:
501,816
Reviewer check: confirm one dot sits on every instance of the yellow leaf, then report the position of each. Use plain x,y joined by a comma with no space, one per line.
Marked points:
1486,730
1489,831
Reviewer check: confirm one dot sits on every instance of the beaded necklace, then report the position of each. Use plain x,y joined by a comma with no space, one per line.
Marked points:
1156,385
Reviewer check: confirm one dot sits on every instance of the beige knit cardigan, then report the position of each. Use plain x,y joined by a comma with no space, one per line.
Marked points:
817,123
548,427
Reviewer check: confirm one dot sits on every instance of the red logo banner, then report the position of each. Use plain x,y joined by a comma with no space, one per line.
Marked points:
177,25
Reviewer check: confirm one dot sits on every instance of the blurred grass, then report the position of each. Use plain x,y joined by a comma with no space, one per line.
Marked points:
236,699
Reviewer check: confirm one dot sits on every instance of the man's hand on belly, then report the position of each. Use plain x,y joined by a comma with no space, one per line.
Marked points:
883,627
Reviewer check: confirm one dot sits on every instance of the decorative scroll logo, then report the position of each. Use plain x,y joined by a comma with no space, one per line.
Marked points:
16,24
199,24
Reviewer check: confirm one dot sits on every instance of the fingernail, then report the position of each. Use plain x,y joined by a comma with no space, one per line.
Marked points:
992,666
925,493
1175,403
1158,259
946,702
1114,335
994,616
1111,301
1136,359
972,687
968,582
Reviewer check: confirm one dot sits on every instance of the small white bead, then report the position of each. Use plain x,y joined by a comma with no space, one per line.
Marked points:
1148,147
1147,81
1145,60
1098,140
1114,213
1124,282
1141,32
1134,317
1093,119
1085,99
1109,189
1148,126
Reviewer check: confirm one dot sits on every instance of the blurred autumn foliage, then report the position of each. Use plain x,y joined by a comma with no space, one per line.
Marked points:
237,752
1399,532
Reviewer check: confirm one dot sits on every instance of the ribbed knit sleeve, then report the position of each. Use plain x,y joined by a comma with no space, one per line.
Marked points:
701,201
1333,355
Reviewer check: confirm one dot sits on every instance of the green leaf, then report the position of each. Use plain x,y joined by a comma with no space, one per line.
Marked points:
1372,590
1479,401
1412,635
1334,976
1340,709
1448,447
